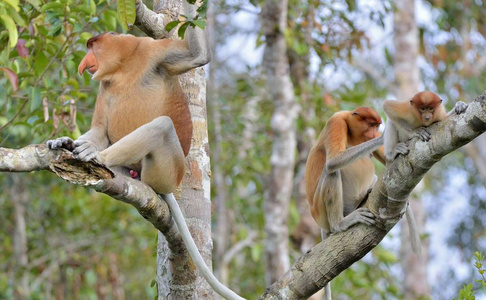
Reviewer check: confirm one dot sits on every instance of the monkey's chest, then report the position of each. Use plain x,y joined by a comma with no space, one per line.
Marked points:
126,117
357,179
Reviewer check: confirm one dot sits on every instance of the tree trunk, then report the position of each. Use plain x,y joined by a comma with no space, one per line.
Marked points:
280,89
407,81
221,228
19,197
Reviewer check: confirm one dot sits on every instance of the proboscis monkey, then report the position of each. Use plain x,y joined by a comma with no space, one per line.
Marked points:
141,120
407,119
340,172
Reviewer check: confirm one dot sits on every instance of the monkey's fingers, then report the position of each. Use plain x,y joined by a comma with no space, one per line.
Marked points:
86,151
460,107
423,134
61,143
401,148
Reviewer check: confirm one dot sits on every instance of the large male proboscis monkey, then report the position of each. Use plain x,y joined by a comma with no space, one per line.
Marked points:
407,119
141,123
339,172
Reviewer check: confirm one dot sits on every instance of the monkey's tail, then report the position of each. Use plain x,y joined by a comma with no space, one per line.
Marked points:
412,228
194,252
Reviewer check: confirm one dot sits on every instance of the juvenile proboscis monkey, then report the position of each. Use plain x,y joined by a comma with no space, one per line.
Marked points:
407,119
340,172
141,120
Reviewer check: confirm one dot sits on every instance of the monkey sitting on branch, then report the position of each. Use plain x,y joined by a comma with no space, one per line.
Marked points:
407,119
141,123
339,172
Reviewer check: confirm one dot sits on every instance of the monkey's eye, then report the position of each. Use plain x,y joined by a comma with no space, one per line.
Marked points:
112,33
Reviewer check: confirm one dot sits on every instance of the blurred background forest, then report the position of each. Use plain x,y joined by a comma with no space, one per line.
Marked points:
59,241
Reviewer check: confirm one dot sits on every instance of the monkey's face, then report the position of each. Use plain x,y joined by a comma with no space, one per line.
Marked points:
425,104
365,123
105,53
426,115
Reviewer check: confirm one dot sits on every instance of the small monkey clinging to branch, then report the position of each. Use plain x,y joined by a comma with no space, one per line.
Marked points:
407,119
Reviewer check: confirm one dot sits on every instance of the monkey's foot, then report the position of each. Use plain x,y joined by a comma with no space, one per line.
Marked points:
360,215
401,148
423,134
61,143
85,150
460,107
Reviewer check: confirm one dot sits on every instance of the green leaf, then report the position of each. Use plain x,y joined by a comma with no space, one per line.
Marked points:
171,25
17,18
40,63
51,6
35,99
182,30
13,3
13,35
126,12
199,23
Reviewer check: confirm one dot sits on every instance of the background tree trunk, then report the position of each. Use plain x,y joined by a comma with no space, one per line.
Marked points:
222,227
19,197
407,82
280,89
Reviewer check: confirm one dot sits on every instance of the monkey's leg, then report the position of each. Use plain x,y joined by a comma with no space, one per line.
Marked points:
327,287
155,144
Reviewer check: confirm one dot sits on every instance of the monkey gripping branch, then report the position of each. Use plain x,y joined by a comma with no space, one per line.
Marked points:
323,262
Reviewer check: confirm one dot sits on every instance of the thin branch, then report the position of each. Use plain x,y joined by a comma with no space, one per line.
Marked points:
100,178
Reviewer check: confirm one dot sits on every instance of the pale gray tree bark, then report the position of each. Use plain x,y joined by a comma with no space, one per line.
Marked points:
407,83
280,90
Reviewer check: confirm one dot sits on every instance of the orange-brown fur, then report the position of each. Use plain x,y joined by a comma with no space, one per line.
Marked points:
423,109
342,131
141,118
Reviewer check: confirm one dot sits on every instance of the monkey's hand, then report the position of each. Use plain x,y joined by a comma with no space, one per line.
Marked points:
61,143
86,151
460,107
423,134
400,148
360,215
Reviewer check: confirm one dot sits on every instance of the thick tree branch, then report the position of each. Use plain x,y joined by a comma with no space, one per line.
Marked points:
387,200
100,178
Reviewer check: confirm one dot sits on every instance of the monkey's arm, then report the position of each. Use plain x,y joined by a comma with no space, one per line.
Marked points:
351,154
181,56
399,112
393,147
88,146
